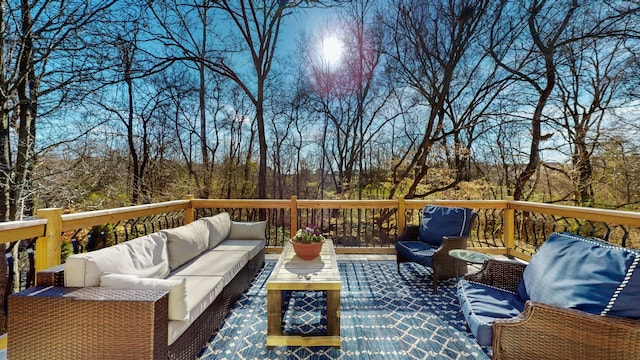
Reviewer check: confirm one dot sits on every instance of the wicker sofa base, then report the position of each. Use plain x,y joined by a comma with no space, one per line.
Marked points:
191,342
87,323
54,322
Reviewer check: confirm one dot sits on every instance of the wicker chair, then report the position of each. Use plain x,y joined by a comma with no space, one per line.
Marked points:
544,331
413,245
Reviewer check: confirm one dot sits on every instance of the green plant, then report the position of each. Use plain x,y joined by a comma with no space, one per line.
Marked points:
66,250
308,235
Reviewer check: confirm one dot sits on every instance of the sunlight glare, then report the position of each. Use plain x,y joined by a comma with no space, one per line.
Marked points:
331,50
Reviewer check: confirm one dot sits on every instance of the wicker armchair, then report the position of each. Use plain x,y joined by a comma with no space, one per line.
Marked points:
441,225
549,332
442,265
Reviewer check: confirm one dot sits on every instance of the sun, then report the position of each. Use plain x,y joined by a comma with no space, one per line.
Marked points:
331,48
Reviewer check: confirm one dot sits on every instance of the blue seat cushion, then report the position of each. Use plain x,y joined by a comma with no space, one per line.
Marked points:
416,251
481,305
584,274
439,221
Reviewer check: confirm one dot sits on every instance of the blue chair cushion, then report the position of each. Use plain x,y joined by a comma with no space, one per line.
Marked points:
439,221
481,305
416,251
585,274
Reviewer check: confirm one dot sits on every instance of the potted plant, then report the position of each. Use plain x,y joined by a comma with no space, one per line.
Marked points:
307,242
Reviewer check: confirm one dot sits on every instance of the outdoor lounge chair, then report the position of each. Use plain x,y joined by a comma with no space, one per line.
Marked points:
576,299
441,229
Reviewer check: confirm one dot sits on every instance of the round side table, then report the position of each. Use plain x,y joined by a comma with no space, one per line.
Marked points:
469,257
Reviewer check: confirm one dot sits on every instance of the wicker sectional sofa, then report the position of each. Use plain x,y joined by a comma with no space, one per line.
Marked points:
578,298
159,296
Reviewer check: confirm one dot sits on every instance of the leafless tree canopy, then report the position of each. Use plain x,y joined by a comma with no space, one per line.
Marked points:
111,103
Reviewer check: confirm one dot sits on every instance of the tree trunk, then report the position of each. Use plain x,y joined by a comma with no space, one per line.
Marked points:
262,144
583,172
135,186
26,103
5,143
5,159
547,48
127,58
204,146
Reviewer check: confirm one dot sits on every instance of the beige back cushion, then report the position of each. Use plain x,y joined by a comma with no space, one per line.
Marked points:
219,228
248,230
145,256
186,242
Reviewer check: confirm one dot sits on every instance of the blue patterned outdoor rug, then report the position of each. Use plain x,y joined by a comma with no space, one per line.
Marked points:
384,315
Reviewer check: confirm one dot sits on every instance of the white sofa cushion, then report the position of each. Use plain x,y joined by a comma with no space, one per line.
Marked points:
201,292
145,256
253,247
247,230
225,264
219,228
186,242
176,287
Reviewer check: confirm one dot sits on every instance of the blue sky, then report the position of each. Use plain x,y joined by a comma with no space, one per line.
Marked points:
302,20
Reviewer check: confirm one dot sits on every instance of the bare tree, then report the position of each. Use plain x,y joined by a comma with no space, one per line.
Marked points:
616,168
528,41
125,95
237,169
185,34
253,28
37,40
592,80
182,95
430,45
258,25
139,160
348,93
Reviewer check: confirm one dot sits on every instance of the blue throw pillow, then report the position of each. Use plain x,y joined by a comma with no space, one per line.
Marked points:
585,274
438,221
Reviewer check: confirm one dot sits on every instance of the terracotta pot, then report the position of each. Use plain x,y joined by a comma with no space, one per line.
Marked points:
307,251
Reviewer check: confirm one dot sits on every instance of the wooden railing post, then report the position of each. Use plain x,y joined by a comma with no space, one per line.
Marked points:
294,215
189,212
48,247
402,221
508,226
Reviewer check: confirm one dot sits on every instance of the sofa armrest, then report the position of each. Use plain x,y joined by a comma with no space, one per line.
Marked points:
53,276
550,332
84,323
502,274
410,233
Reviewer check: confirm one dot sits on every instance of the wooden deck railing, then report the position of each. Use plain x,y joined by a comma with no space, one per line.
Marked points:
507,227
513,228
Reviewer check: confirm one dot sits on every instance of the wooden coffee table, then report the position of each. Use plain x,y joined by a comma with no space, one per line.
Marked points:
293,273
